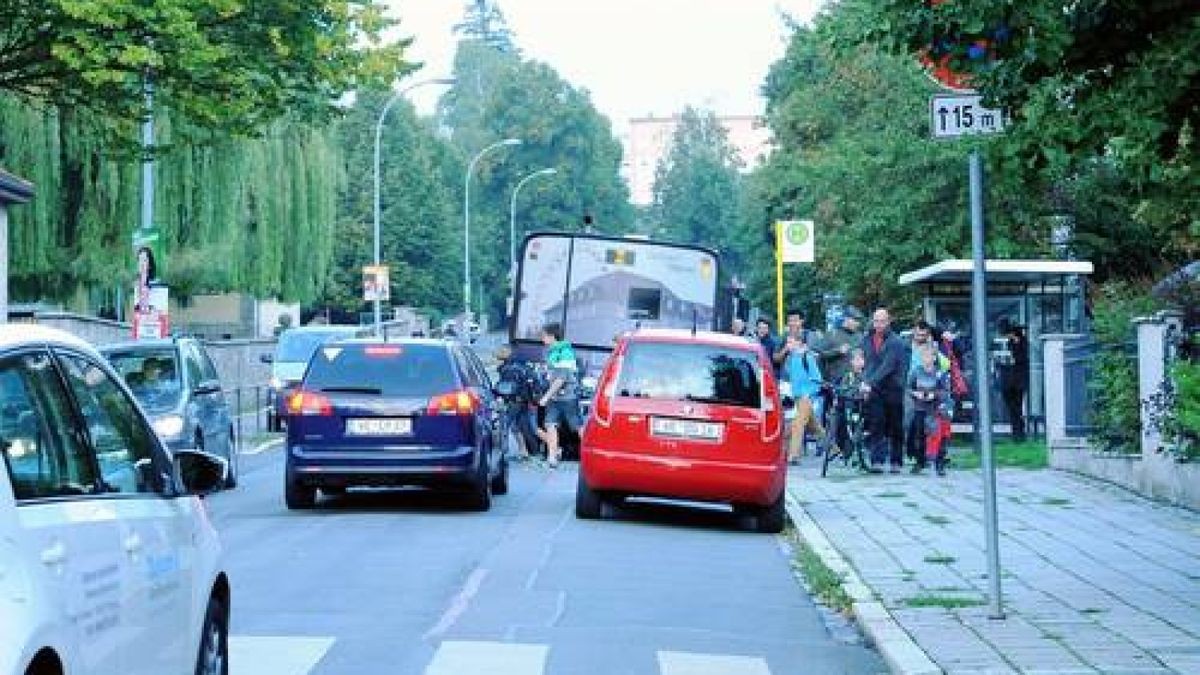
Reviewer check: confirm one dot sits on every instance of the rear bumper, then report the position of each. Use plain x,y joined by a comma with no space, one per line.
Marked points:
758,484
416,465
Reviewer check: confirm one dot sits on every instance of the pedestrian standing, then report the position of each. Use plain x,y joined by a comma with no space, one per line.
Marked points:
561,398
886,366
766,339
929,390
804,375
1014,379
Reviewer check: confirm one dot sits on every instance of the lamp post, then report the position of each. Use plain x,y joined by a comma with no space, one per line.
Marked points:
512,214
467,221
378,133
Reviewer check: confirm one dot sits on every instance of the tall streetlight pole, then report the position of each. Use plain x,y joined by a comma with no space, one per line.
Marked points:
467,221
512,215
378,134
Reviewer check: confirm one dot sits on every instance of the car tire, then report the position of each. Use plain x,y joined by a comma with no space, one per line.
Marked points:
771,517
589,505
480,497
213,657
296,495
500,482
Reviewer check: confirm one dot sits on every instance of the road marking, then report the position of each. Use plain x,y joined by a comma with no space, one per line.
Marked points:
458,605
262,447
687,663
455,657
265,655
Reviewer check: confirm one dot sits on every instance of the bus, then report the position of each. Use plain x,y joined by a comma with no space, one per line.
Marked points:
598,287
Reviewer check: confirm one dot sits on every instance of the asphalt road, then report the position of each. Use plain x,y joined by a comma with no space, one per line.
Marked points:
403,582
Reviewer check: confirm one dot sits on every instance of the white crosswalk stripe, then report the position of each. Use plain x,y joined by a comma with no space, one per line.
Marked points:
266,655
488,658
688,663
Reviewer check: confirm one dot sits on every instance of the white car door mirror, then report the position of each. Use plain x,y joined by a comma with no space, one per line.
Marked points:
199,472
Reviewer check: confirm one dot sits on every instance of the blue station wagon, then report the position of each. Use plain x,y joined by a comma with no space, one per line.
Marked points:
394,413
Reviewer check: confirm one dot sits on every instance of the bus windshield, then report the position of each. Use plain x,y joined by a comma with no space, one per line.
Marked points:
598,287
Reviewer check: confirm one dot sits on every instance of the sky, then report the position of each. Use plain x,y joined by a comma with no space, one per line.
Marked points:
636,57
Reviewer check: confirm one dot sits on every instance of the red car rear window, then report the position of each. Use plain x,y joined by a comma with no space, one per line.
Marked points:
690,372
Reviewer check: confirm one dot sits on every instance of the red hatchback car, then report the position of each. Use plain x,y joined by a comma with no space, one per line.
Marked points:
683,415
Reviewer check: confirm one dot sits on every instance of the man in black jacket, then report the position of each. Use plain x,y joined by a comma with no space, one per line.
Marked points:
887,366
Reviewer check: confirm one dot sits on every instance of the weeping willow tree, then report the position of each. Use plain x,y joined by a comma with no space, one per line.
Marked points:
254,215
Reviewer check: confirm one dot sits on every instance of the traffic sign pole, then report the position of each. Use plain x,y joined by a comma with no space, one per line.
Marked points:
983,391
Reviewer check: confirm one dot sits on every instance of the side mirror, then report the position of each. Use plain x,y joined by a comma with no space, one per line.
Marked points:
266,358
199,472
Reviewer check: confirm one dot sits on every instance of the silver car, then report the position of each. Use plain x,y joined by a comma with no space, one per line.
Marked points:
177,385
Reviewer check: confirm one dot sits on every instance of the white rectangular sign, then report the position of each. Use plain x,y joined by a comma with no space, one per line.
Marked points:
796,241
954,115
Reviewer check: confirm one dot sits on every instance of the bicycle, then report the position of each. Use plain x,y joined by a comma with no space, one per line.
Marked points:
848,402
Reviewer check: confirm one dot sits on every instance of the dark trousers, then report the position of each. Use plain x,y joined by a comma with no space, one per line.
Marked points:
885,423
1014,402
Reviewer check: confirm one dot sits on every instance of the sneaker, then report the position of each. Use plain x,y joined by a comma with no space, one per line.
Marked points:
916,469
894,469
941,470
874,469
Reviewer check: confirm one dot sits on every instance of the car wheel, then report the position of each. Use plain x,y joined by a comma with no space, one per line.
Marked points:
771,517
296,494
500,482
213,658
481,489
588,503
231,480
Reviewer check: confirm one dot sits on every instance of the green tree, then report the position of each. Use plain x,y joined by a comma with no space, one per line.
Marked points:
419,216
500,95
1101,93
221,65
484,22
696,184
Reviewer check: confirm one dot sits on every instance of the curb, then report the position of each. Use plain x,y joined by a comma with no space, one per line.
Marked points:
901,653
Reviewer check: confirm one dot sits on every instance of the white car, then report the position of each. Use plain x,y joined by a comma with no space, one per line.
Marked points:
109,563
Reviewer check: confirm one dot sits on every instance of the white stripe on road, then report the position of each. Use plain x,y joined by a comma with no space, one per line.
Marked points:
262,447
262,655
488,658
687,663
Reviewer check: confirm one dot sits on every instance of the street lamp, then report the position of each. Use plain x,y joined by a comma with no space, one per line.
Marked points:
467,221
378,133
512,217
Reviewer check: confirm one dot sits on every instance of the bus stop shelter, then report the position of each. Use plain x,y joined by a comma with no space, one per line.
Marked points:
1044,296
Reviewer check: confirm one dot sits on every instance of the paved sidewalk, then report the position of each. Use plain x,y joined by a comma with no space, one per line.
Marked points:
1095,578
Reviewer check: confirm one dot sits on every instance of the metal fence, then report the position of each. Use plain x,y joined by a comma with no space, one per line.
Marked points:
248,406
1080,359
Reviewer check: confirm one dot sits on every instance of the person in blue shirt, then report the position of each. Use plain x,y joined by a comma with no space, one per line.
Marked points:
803,373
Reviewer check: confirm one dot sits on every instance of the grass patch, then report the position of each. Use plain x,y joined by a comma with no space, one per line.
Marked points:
940,559
943,601
890,495
937,520
822,581
1026,455
1055,501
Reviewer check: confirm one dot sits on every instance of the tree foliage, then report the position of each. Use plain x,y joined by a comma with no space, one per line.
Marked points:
227,65
253,215
498,94
1097,89
696,184
419,216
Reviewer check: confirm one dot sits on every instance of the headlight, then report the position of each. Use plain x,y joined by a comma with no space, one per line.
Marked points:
169,426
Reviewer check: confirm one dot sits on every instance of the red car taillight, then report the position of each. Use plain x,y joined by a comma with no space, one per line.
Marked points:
603,407
309,403
460,402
